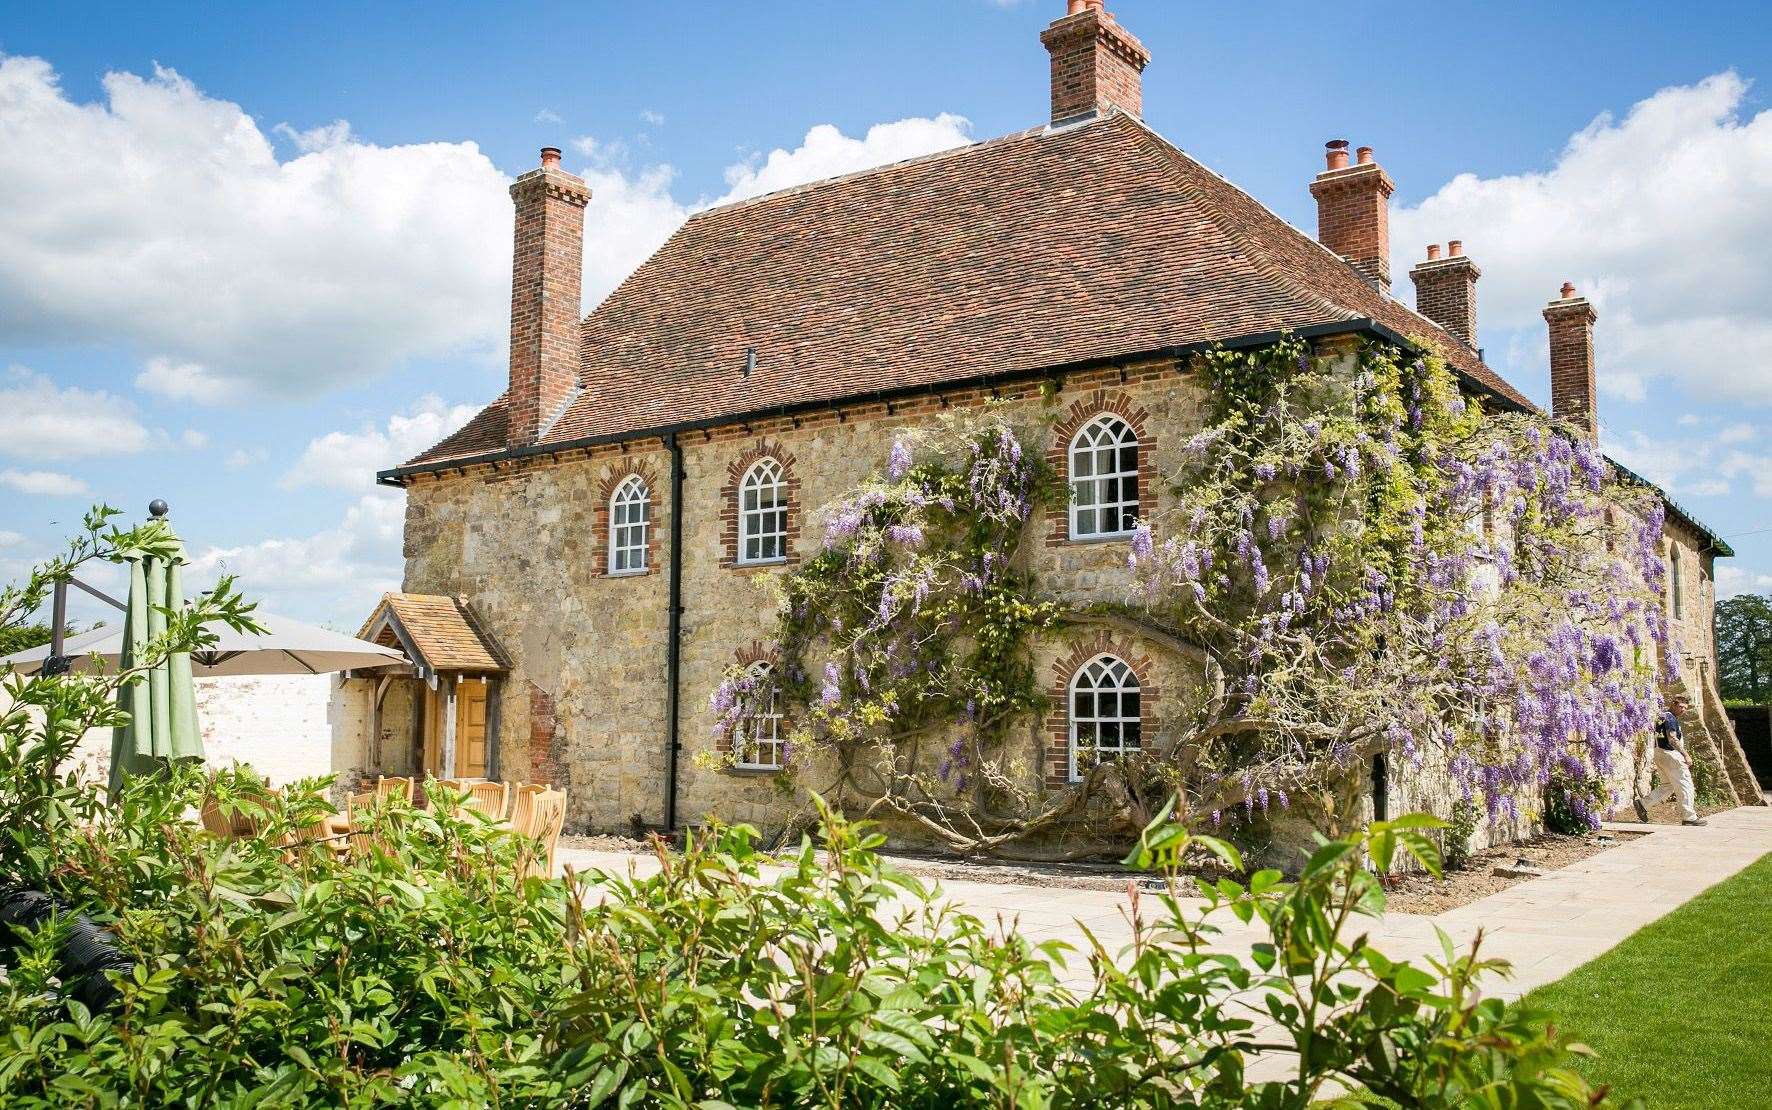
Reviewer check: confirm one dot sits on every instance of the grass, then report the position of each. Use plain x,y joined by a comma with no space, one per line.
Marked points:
1680,1013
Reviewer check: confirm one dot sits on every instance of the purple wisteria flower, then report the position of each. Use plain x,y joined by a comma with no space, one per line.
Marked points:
899,464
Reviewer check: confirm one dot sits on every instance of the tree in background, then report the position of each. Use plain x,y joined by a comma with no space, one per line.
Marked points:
23,637
1744,648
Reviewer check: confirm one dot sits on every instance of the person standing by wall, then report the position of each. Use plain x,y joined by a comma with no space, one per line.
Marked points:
1673,765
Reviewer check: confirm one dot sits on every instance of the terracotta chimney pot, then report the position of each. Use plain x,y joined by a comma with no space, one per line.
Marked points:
1336,151
1433,251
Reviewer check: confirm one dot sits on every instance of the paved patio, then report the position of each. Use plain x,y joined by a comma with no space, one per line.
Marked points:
1545,927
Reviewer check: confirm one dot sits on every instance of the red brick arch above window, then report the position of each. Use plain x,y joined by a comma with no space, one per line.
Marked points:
1058,453
612,480
1058,719
735,474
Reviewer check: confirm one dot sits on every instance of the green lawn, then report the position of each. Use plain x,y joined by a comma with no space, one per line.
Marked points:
1681,1012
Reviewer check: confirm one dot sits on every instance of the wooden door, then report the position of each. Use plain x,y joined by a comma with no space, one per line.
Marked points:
470,729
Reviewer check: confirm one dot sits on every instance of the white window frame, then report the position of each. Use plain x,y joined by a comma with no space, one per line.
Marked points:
764,522
1104,438
757,742
1105,675
630,526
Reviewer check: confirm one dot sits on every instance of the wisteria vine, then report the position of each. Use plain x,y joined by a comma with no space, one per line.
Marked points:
1354,557
1375,565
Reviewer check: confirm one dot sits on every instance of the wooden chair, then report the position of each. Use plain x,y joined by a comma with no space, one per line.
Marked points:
547,815
362,841
385,786
230,824
522,813
488,799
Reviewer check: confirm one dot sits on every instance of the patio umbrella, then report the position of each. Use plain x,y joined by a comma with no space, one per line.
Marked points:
162,705
286,647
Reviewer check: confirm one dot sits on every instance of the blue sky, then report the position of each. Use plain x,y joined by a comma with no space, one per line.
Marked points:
249,255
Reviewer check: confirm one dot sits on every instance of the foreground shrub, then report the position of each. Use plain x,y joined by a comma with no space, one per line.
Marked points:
421,969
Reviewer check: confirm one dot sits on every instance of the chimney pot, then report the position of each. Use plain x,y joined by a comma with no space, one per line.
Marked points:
1455,247
1568,290
1433,251
550,155
1365,154
1336,153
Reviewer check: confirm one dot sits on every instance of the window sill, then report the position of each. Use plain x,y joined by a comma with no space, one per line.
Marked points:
1111,537
743,772
640,573
749,564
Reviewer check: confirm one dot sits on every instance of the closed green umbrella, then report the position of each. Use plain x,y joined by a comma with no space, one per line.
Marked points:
162,705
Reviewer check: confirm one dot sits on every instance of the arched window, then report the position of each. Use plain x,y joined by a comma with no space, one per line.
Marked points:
1104,713
758,742
1104,479
630,518
763,514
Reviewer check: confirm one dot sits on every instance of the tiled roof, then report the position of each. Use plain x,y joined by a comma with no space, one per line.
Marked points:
439,628
1036,250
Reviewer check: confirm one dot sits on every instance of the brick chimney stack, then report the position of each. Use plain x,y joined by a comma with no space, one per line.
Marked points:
1571,321
1446,290
1096,63
547,277
1353,212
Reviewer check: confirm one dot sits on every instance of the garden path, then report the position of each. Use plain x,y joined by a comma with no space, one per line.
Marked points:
1545,927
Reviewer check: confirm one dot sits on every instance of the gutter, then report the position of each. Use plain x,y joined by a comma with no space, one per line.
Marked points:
674,639
1358,326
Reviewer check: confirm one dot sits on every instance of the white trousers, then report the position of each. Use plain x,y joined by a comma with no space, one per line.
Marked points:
1676,778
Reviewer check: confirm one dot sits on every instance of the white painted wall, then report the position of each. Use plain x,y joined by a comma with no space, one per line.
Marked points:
277,723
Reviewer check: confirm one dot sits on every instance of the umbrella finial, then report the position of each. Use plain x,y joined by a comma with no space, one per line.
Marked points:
158,508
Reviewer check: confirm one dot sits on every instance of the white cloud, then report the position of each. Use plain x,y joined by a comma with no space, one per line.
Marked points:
827,152
194,439
324,137
236,274
1706,464
349,460
240,458
1661,218
336,574
11,539
39,419
43,483
652,118
187,381
203,248
1732,580
548,115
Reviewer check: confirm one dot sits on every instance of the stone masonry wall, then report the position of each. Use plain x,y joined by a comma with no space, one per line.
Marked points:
584,705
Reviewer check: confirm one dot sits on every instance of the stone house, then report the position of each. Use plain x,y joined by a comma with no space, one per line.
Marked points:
600,530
